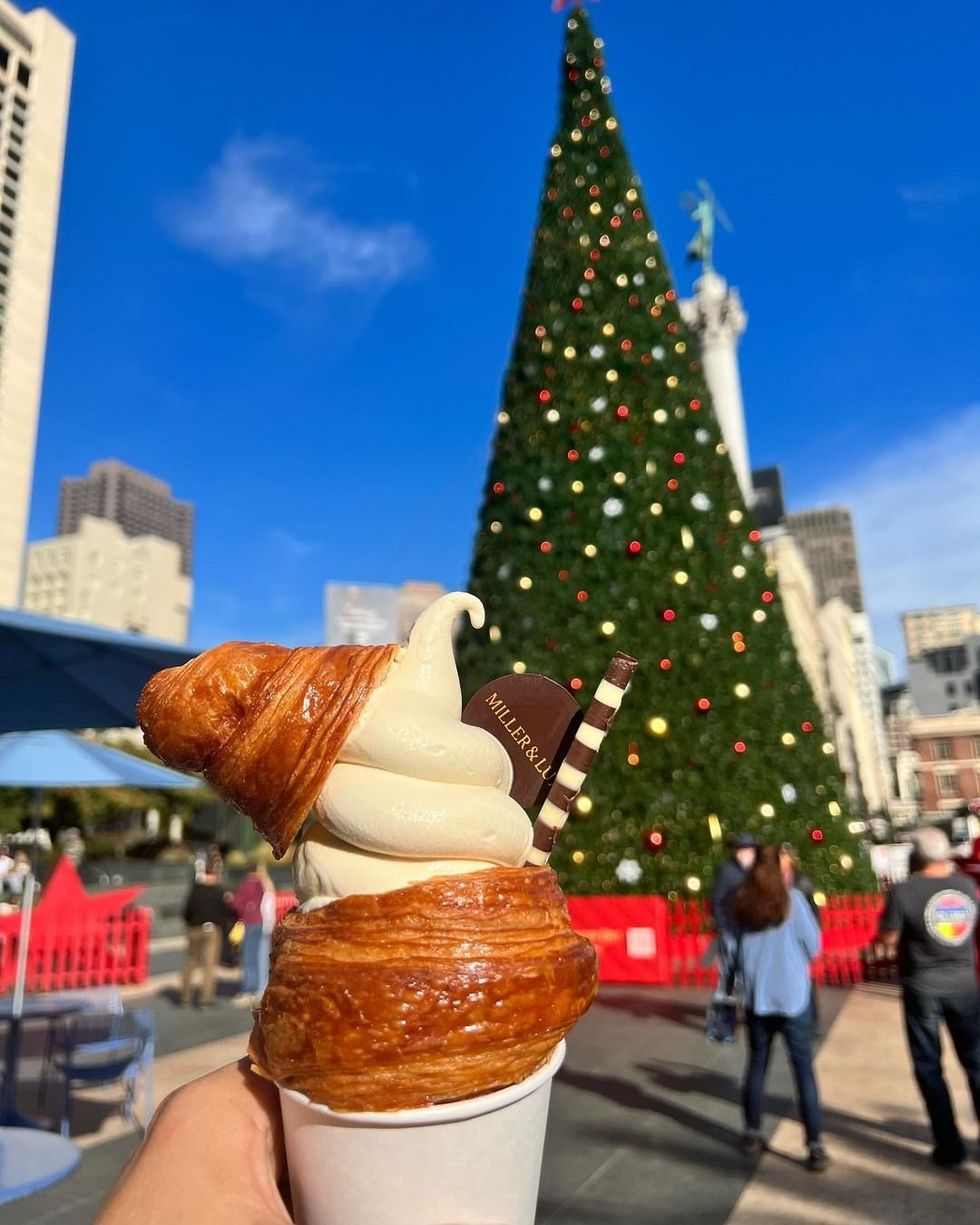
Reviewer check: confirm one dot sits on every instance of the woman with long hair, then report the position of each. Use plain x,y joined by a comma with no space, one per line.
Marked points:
255,904
778,938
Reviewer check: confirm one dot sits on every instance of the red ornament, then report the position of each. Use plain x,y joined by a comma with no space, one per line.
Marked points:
544,395
622,412
594,190
703,704
694,405
581,596
595,255
668,614
563,576
573,75
653,841
552,194
586,121
665,665
575,683
679,457
634,300
589,274
577,304
572,455
673,484
633,547
739,746
672,328
637,214
755,535
567,212
603,150
806,726
545,546
540,331
626,345
499,487
767,597
615,222
816,835
670,295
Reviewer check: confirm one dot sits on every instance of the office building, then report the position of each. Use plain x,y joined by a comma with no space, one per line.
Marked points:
826,537
947,678
100,575
36,54
927,629
138,502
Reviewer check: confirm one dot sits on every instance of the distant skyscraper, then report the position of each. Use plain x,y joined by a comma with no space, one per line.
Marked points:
36,53
827,539
927,629
768,501
139,503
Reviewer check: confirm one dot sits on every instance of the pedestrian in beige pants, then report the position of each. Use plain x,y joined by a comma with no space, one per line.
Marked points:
207,914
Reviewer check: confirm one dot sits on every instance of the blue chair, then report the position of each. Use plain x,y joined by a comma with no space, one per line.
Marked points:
88,999
105,1048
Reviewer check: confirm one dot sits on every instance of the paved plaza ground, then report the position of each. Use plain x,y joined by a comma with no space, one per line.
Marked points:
644,1123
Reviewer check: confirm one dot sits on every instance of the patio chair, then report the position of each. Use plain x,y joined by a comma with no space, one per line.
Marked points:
87,999
104,1048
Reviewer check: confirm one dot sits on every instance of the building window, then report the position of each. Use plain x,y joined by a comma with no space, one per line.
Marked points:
942,750
948,785
23,74
950,688
4,58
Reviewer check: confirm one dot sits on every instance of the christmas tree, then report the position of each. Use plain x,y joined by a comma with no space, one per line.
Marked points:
612,519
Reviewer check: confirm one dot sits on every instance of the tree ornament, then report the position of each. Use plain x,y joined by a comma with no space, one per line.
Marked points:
612,508
653,841
709,621
629,872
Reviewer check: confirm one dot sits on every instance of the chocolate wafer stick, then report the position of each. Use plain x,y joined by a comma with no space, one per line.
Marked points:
572,771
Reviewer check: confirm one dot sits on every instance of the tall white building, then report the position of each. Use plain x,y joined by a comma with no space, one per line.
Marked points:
36,54
100,575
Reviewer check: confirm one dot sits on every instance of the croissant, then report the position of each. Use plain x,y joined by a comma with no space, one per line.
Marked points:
264,724
439,991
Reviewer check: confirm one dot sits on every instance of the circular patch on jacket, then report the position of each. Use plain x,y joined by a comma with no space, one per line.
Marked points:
950,916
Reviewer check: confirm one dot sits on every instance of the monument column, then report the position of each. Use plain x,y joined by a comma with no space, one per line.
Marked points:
717,320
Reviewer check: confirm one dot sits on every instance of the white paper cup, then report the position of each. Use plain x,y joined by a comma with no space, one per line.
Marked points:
475,1162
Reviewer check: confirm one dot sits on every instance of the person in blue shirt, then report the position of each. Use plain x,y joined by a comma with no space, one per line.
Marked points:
778,937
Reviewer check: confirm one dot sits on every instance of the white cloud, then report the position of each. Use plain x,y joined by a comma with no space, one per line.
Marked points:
254,210
916,510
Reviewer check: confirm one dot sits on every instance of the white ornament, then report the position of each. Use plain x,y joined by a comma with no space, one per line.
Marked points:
504,571
599,403
701,501
639,279
544,484
612,507
658,352
597,351
747,550
788,792
629,872
596,453
709,621
702,435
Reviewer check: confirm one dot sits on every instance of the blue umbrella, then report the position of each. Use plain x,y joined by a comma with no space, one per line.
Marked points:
68,674
60,759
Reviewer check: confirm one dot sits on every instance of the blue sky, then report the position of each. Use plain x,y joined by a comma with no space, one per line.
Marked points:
293,241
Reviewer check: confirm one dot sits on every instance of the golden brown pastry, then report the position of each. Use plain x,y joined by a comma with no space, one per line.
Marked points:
264,724
440,991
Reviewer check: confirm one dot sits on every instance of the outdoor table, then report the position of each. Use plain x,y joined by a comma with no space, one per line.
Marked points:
32,1160
51,1007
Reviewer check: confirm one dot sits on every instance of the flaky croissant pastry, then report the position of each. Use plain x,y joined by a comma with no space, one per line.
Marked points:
264,724
440,991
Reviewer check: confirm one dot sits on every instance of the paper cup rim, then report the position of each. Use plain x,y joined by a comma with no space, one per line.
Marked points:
443,1112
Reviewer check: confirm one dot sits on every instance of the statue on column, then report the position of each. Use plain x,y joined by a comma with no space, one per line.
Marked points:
705,210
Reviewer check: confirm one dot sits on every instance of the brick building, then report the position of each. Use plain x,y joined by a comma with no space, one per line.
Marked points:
948,748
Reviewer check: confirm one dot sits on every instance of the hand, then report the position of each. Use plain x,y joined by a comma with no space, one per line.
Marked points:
213,1156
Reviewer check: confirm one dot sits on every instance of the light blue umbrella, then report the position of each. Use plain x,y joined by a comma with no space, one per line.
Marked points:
40,760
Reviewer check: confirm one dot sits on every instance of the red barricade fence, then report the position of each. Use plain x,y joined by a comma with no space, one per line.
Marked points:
110,951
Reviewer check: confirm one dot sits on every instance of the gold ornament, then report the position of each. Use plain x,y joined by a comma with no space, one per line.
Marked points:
518,666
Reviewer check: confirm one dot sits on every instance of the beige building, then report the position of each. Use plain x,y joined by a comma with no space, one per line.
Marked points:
799,596
36,53
104,577
930,628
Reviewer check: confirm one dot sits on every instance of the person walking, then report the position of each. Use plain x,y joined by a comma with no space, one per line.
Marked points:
729,877
207,916
777,939
931,919
254,902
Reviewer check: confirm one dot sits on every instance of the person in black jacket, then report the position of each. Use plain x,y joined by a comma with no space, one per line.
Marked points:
208,916
728,880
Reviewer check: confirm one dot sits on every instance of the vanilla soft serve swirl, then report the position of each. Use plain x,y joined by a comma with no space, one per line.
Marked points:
415,792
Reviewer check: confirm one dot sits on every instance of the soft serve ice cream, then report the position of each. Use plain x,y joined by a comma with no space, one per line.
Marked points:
415,793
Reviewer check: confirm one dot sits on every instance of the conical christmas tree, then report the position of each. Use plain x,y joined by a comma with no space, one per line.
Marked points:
612,519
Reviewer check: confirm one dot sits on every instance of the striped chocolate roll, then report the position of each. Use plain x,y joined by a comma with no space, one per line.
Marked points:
572,771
